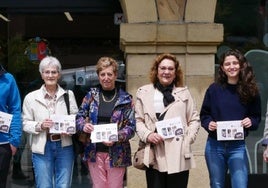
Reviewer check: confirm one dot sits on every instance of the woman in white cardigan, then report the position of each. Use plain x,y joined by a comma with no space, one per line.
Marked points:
52,154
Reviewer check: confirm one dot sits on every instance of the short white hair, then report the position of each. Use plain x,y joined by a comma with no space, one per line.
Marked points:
49,61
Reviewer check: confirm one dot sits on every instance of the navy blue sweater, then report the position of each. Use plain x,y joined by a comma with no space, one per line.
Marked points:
223,104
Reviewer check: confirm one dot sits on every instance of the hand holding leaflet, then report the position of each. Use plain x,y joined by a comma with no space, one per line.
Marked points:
230,130
104,133
5,121
63,124
169,128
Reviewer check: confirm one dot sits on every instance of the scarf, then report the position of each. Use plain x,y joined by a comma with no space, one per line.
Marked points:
167,92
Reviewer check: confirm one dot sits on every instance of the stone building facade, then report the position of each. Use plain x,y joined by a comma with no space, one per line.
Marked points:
186,29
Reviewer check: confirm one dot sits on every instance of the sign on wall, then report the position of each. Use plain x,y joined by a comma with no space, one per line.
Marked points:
37,49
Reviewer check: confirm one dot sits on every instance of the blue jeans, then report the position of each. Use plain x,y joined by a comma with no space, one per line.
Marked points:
55,167
222,156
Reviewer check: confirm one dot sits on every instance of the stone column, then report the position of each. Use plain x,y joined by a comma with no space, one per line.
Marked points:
184,29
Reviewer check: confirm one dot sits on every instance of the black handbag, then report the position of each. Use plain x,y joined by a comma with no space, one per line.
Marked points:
77,144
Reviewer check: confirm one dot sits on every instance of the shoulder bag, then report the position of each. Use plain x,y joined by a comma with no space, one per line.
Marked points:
138,158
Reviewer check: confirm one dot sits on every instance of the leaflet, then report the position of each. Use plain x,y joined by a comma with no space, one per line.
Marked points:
5,121
104,132
230,130
63,124
169,128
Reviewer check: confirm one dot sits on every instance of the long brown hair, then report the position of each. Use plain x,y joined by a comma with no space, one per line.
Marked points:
246,85
178,81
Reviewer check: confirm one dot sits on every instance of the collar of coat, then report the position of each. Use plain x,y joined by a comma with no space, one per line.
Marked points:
146,93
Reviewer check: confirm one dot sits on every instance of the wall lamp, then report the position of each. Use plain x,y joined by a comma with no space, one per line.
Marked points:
4,18
68,16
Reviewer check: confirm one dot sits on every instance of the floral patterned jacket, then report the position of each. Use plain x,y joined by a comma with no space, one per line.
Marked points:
123,115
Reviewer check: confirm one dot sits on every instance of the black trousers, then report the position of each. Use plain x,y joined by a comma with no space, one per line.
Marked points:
156,179
5,157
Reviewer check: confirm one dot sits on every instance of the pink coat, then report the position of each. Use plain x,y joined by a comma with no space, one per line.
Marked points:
174,154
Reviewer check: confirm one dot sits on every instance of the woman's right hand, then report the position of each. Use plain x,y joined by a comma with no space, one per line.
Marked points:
155,138
46,124
88,128
212,126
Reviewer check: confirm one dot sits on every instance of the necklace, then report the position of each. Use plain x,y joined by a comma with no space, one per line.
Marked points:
106,100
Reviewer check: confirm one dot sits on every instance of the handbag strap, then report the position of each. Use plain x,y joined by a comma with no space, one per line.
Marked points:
161,117
67,102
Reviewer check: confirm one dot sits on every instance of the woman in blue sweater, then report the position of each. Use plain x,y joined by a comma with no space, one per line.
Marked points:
10,103
233,97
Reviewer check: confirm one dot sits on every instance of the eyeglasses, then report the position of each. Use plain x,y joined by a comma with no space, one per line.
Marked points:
162,68
51,72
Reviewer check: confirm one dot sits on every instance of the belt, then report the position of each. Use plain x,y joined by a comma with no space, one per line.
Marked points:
53,137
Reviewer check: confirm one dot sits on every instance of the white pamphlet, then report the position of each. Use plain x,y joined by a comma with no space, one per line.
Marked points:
5,121
104,132
230,130
169,128
63,124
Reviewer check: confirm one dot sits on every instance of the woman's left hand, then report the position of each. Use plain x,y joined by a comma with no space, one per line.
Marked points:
66,134
265,155
13,149
108,143
155,138
246,123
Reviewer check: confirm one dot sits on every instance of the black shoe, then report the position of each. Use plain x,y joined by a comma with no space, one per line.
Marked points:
19,176
27,182
84,169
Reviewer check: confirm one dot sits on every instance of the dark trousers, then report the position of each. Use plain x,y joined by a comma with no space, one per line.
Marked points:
156,179
5,157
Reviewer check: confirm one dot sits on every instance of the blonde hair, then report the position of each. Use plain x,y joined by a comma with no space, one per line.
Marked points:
105,62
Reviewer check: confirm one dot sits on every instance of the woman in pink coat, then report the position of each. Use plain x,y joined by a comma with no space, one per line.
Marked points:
165,99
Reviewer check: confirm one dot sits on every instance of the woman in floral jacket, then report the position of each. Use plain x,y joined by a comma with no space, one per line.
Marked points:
103,105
